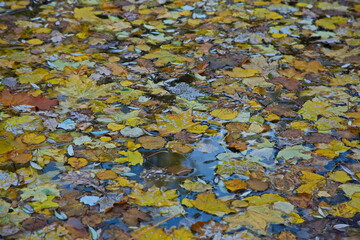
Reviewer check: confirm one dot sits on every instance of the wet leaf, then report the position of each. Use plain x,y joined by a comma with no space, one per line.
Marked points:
154,197
208,202
133,158
150,142
256,218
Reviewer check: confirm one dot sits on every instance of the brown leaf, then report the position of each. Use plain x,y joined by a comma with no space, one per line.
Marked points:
19,157
15,99
152,142
318,138
134,216
34,224
292,133
257,184
290,84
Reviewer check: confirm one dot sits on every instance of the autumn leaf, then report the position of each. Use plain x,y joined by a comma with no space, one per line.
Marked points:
164,57
15,99
154,197
235,184
224,113
152,142
83,87
167,124
133,158
256,218
208,202
312,109
41,193
313,66
85,13
311,182
197,186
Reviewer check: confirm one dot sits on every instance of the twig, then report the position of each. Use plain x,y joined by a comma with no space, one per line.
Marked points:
155,154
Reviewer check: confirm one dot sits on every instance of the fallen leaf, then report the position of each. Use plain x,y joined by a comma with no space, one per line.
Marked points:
208,202
152,142
256,218
133,158
15,99
154,197
235,184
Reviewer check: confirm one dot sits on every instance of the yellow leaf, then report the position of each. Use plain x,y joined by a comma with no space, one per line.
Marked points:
167,124
311,109
181,234
347,209
35,76
279,35
77,162
48,203
302,125
295,218
154,197
313,66
332,149
196,186
34,41
326,23
328,124
339,176
164,57
256,218
235,184
33,138
311,182
208,202
85,13
150,233
273,16
198,129
267,198
224,113
132,157
242,73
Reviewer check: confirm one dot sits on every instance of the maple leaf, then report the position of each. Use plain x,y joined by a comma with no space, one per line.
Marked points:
256,218
208,202
165,57
313,66
311,182
132,157
15,99
48,203
41,193
197,186
311,109
83,87
154,197
170,124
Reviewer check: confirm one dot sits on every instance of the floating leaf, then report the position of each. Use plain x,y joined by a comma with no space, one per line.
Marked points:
256,218
310,181
154,197
152,142
224,113
208,202
132,158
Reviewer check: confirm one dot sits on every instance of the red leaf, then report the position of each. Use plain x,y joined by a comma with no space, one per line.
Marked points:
15,99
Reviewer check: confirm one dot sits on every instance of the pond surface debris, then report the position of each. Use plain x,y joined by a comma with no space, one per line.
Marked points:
191,119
